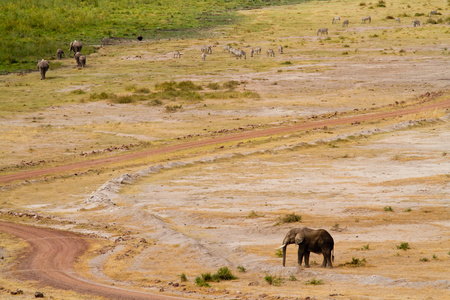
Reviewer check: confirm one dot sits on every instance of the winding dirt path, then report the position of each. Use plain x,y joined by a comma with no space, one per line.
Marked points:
50,258
26,175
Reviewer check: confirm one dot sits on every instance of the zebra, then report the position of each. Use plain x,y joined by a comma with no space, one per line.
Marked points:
433,12
345,23
364,19
204,56
280,49
398,20
416,23
176,54
257,50
322,31
270,52
239,53
226,48
206,49
335,20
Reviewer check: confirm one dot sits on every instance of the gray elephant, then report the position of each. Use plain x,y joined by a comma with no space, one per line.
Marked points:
59,53
77,58
43,67
75,46
310,240
82,60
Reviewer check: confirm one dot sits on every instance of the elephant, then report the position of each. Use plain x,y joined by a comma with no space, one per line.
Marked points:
82,60
310,240
43,67
77,58
75,46
59,53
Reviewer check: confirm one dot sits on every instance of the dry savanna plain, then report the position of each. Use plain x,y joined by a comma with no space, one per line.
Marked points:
381,187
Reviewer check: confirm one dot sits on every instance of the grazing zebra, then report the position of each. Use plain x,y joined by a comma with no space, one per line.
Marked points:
416,23
322,31
226,48
398,20
240,53
270,53
433,12
345,23
364,19
257,50
176,54
206,49
280,49
335,20
204,56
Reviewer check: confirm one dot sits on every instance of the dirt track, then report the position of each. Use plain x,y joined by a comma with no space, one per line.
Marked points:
50,258
229,138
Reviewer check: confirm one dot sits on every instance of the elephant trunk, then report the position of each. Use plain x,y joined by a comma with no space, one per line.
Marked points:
284,254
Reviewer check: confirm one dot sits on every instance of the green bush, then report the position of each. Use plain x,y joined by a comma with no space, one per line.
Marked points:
291,218
273,280
403,246
314,281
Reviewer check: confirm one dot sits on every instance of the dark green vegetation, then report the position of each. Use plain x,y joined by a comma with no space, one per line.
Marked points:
35,29
222,274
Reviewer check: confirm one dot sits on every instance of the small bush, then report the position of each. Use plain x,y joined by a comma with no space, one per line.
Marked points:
173,108
213,86
101,96
381,3
292,278
291,218
273,280
424,259
130,88
123,99
388,208
188,86
408,209
390,18
183,277
314,281
78,92
142,91
224,274
286,63
231,84
279,253
403,246
365,247
356,262
362,3
201,283
253,215
155,102
241,269
419,14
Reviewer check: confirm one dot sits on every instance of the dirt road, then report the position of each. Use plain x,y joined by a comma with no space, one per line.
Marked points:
50,258
224,139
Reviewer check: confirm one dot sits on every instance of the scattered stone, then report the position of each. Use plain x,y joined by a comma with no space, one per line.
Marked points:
17,292
39,295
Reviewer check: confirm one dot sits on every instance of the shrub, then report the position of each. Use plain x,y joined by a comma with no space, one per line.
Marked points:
292,278
390,18
273,280
201,283
142,90
183,277
356,262
424,259
224,274
365,247
403,246
381,3
173,108
291,218
253,215
213,86
78,92
101,96
286,63
388,208
362,3
155,102
241,269
314,281
419,14
123,99
231,84
188,86
279,253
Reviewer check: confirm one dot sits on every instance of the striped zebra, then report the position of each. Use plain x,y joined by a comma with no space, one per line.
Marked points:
204,56
257,50
335,20
280,49
345,23
240,53
176,54
226,48
270,53
433,12
364,19
398,20
416,23
322,31
206,49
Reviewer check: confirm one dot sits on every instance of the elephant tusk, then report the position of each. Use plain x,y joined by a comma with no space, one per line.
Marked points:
281,246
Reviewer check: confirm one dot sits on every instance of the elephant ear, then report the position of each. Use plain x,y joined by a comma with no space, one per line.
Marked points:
299,237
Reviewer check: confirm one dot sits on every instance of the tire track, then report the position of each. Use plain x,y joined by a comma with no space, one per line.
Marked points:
26,175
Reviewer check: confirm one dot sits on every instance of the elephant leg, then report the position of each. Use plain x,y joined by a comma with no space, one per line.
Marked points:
327,260
301,253
307,259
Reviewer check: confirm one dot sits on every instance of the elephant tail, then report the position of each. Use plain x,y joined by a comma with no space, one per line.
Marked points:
332,255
